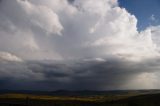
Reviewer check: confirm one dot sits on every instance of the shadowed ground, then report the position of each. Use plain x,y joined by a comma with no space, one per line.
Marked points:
130,98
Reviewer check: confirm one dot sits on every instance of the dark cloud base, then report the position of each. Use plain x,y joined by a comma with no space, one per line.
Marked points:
80,75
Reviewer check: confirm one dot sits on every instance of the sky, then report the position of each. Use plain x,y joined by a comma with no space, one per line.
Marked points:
146,11
79,44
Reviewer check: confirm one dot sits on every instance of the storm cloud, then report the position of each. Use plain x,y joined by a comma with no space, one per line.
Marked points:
76,45
92,75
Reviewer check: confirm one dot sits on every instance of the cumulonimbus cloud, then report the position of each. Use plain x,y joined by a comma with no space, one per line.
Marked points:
88,29
99,34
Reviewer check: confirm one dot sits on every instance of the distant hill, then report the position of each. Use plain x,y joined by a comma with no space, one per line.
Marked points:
81,93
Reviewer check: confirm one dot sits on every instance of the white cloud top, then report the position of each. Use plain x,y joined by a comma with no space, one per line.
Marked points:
88,29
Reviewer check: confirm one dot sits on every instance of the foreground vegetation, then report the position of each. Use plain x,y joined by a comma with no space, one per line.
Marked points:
126,99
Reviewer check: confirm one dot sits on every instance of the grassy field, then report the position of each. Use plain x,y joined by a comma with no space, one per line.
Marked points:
118,99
